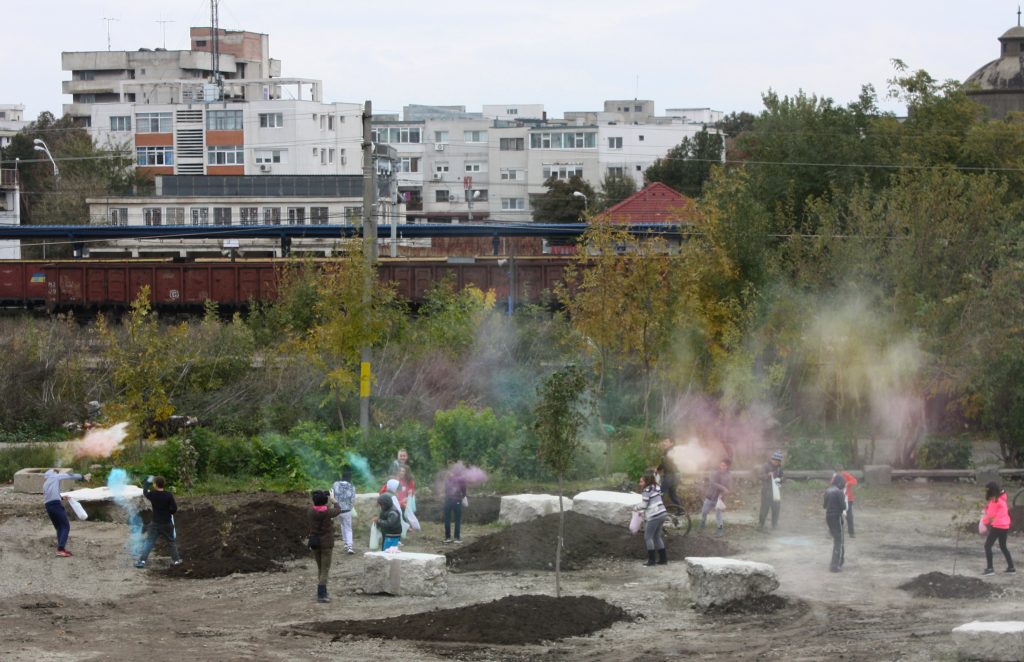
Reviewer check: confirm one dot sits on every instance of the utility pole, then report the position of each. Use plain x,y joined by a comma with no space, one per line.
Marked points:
108,20
370,255
163,27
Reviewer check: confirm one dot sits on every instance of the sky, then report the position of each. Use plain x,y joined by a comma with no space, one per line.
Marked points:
569,55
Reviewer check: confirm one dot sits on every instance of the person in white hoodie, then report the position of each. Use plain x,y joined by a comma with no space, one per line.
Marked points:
655,515
55,506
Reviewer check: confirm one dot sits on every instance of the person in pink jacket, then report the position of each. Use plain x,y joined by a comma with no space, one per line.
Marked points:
997,519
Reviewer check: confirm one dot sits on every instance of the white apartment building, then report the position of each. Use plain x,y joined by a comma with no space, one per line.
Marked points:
12,121
10,211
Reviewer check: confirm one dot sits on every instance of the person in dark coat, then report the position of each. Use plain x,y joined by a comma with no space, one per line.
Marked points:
835,506
389,522
162,524
771,474
321,532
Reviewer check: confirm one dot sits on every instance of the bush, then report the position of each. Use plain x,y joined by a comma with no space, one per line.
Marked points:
945,453
813,454
634,451
474,436
13,460
382,447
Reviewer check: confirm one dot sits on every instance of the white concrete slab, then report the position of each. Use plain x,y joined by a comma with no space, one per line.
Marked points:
516,508
611,507
998,641
405,573
716,581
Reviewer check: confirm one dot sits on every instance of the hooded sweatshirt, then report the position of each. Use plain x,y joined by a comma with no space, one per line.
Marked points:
51,484
996,513
835,498
321,520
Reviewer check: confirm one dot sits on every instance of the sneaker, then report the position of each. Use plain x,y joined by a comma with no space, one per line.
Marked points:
349,550
446,541
989,571
458,541
63,553
174,563
1011,571
140,564
719,532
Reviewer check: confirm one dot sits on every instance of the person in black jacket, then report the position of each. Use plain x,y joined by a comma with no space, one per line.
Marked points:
771,474
389,522
321,539
162,524
835,506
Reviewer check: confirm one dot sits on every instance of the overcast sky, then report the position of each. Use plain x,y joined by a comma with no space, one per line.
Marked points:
566,54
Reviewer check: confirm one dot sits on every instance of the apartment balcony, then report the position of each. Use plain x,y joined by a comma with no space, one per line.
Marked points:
9,178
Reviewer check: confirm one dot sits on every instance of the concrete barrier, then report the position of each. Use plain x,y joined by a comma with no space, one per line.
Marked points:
30,480
516,508
716,581
611,507
878,474
405,573
997,641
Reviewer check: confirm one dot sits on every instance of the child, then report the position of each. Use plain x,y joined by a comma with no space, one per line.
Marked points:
835,505
406,487
320,525
389,522
997,519
719,485
771,474
162,523
454,495
655,515
55,507
850,481
345,495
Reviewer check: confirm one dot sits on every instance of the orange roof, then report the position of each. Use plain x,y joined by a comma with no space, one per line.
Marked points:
655,203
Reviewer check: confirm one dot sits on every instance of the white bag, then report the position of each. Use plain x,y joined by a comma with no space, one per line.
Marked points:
982,529
375,537
77,508
720,505
635,522
465,502
414,523
776,492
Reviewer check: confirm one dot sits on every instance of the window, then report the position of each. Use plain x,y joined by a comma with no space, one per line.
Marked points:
638,109
616,171
353,214
511,111
225,155
474,167
441,137
272,216
118,216
330,122
441,167
639,168
318,215
641,138
154,156
563,140
474,136
175,215
478,194
271,156
271,120
562,171
151,215
398,134
222,215
408,164
296,216
200,216
512,174
200,43
513,203
84,98
330,155
224,120
323,156
512,144
153,122
615,143
440,196
121,123
86,75
249,215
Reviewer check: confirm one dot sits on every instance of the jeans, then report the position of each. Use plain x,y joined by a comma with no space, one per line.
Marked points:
768,503
995,534
59,517
709,505
835,527
322,556
849,517
345,520
155,532
652,532
390,541
452,510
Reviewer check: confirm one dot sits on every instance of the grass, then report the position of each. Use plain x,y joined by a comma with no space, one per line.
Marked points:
15,459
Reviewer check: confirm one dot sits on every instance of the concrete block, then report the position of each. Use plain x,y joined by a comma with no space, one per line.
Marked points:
30,480
516,508
720,581
877,474
996,641
986,475
611,507
405,573
106,505
366,506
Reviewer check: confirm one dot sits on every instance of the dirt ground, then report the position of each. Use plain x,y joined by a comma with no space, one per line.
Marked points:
96,606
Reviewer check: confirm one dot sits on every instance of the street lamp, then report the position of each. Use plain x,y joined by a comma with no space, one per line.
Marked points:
40,146
580,194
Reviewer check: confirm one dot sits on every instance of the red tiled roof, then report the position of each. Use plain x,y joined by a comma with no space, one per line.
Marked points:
655,203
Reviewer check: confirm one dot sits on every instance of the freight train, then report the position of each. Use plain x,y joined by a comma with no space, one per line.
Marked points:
86,285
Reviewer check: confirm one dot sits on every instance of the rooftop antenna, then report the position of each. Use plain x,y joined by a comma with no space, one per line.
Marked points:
108,20
1018,16
163,27
214,22
636,91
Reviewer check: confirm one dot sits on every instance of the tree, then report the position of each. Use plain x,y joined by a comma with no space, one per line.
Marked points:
559,417
559,205
735,123
688,165
614,189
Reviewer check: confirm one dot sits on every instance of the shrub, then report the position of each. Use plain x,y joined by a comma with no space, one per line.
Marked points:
806,453
634,451
474,436
945,453
13,460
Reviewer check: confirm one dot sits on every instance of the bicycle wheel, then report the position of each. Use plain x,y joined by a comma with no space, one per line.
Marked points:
679,524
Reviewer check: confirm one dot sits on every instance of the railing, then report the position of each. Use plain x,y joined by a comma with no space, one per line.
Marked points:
8,177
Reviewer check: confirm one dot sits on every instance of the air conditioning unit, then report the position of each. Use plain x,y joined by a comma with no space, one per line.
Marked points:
453,196
265,168
440,146
436,177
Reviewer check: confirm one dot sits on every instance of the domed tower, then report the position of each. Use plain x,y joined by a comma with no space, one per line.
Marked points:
999,85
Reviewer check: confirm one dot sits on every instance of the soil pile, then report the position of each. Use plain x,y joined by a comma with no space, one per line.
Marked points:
254,537
514,620
531,545
941,585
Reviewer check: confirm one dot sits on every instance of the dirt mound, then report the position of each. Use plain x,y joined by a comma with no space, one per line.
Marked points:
941,585
531,545
514,620
253,537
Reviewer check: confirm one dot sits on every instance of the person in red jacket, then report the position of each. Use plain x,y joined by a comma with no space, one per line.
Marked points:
997,519
850,482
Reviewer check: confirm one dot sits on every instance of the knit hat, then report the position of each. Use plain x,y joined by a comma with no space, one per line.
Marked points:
393,485
777,455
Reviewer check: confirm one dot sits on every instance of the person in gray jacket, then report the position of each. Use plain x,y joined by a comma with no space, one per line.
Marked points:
655,514
835,506
55,506
718,486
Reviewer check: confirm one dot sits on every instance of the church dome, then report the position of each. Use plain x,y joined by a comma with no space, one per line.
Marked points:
1005,73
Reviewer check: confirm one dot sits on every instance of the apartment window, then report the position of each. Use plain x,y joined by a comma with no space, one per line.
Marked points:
441,137
563,140
175,215
408,164
473,167
225,155
151,215
296,216
271,120
641,138
474,136
330,155
478,194
440,196
639,168
318,216
513,203
323,122
323,156
200,43
121,123
3,114
153,122
397,134
272,216
330,122
249,215
86,75
616,171
562,171
200,215
353,214
224,120
118,216
512,144
441,167
154,156
615,143
271,156
638,109
84,98
222,215
511,111
512,174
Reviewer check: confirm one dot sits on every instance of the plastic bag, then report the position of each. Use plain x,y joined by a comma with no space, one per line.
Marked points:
412,504
635,522
720,505
465,502
375,537
982,529
414,522
776,492
77,508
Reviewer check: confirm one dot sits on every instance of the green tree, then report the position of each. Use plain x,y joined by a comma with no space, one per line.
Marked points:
559,204
614,189
450,320
559,418
688,165
735,123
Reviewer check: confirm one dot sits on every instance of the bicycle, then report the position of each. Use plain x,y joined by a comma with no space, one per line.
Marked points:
678,522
